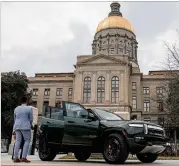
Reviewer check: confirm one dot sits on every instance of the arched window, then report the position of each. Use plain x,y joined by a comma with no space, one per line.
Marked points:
115,89
100,89
87,90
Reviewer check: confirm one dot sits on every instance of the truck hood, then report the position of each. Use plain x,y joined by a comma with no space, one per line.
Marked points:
118,123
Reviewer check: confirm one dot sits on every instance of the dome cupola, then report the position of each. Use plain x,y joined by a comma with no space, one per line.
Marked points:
115,35
115,20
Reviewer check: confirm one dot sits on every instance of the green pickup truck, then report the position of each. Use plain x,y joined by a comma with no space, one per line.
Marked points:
71,128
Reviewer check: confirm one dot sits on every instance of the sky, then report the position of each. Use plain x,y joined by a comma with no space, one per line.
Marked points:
39,37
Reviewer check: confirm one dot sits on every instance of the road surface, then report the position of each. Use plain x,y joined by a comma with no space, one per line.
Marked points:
89,163
35,161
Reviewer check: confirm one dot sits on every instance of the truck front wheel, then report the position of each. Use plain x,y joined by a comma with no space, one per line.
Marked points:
147,158
115,149
46,153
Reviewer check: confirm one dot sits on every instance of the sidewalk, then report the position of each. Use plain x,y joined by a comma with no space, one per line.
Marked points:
7,161
5,156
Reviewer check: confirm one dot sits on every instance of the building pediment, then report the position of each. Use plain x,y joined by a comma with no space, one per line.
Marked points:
101,59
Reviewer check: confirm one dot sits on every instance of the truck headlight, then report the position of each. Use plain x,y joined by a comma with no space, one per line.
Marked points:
135,125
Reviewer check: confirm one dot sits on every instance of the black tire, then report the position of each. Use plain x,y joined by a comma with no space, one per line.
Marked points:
46,153
147,158
115,144
82,156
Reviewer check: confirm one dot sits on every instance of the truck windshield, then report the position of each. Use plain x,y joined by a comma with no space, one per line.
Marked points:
105,115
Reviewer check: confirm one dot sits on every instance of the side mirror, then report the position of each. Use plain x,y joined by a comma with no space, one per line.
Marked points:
91,116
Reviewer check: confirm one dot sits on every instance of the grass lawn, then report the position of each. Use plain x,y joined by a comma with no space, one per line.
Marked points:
98,157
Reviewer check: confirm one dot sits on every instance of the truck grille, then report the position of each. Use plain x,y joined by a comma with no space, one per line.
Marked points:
156,131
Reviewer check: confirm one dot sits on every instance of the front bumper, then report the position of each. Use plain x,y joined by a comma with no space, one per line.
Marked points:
146,145
154,149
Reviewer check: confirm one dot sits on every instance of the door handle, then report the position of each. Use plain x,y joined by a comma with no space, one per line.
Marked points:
89,120
50,122
71,122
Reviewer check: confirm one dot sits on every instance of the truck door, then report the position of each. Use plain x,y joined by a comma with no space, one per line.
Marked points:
79,129
53,122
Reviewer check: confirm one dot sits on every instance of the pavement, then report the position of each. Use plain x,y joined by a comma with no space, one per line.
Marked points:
35,161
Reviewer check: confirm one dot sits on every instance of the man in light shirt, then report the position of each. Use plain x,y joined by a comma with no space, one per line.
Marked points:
23,118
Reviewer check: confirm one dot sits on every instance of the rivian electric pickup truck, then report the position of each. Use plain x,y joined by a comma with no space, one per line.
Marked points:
71,128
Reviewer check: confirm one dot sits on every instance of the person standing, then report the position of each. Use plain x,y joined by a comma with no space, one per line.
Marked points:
23,118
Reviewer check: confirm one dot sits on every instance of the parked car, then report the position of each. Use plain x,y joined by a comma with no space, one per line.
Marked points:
73,129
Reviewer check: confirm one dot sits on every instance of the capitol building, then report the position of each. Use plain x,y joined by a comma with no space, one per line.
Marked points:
109,78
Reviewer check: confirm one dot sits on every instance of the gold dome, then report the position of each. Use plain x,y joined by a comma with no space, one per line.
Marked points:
115,22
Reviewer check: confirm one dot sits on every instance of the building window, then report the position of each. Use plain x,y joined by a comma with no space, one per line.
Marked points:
134,86
58,103
147,119
45,105
100,89
159,90
145,90
134,117
112,50
160,105
59,91
35,92
47,92
87,90
134,102
70,92
115,89
146,106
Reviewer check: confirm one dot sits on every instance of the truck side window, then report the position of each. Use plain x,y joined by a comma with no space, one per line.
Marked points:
54,113
76,110
57,113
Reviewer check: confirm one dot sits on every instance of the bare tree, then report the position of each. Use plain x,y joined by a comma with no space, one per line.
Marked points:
171,97
168,101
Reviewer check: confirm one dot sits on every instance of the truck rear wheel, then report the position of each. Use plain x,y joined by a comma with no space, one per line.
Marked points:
115,149
82,156
46,153
147,158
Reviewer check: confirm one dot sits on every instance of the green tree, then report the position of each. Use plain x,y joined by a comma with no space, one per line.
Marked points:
13,86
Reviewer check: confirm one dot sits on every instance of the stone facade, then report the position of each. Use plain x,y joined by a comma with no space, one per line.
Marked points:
110,78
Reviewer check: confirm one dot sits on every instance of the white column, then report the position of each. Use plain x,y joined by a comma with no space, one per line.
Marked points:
65,93
79,87
75,88
52,96
93,88
126,85
121,89
40,100
107,88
